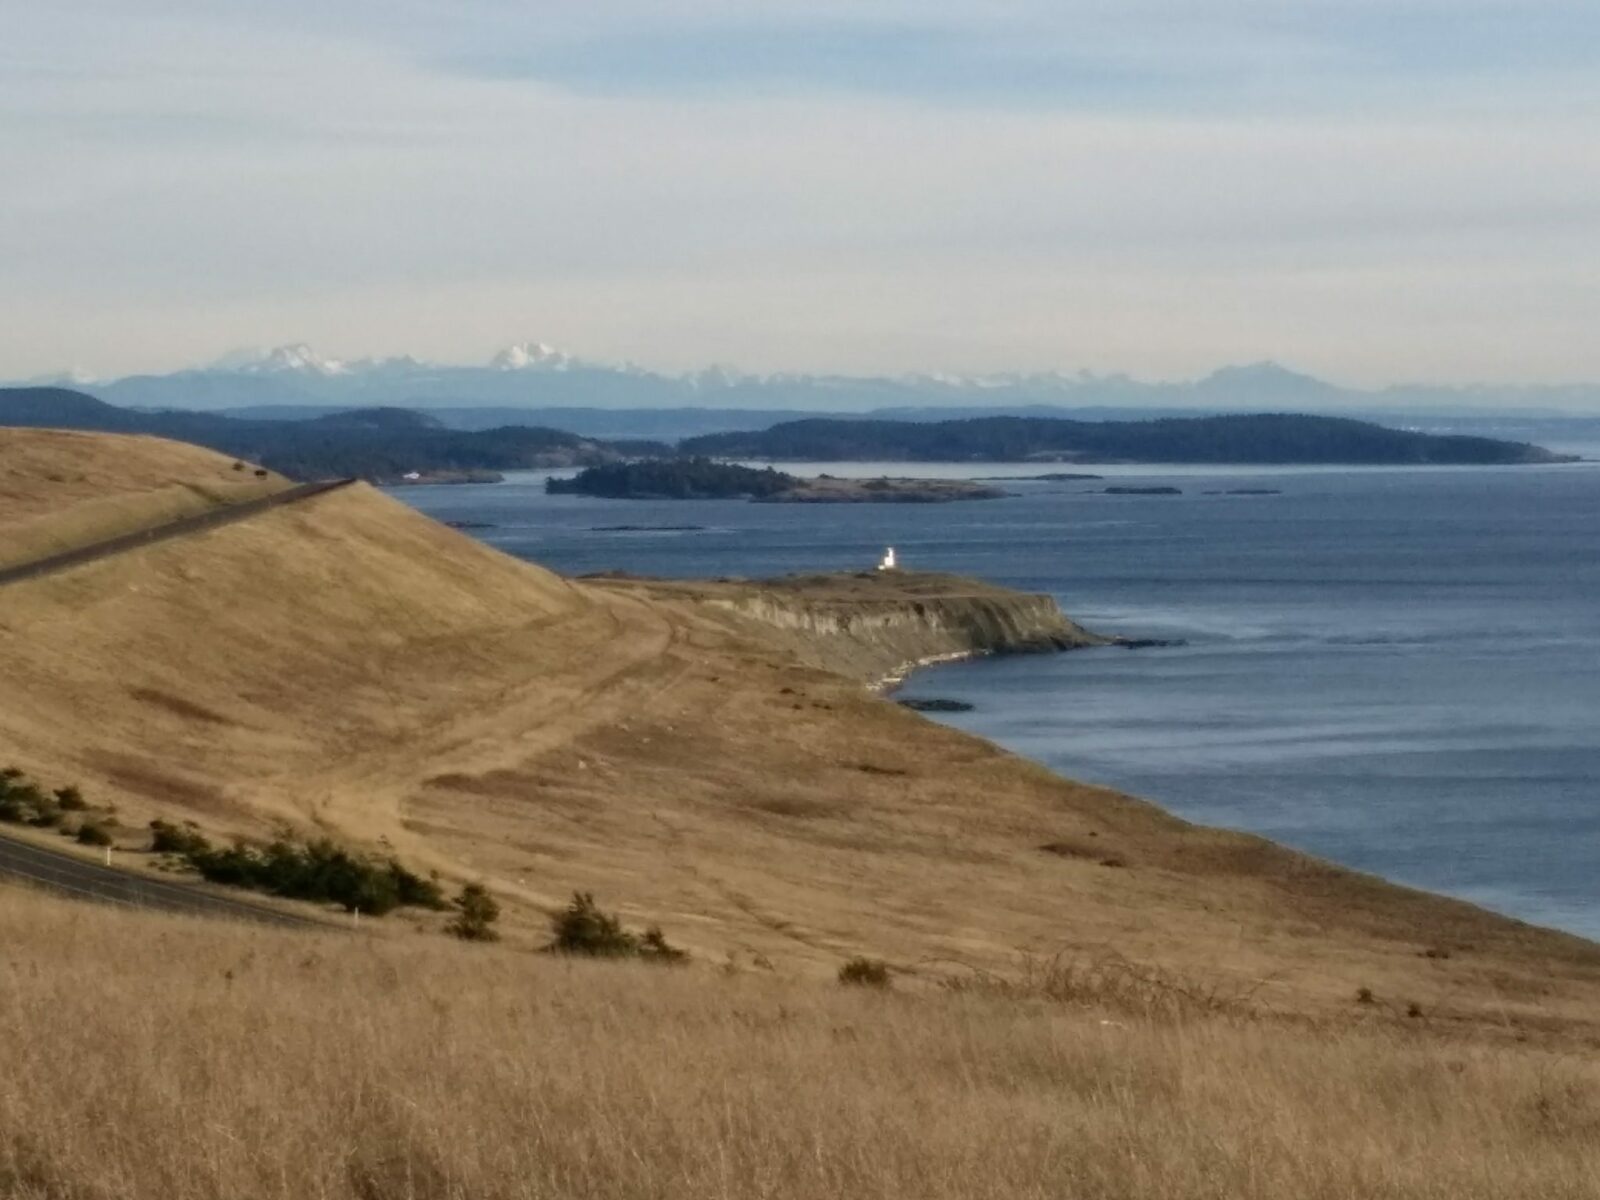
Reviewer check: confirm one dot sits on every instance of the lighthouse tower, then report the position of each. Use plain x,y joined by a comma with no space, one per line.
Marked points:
887,563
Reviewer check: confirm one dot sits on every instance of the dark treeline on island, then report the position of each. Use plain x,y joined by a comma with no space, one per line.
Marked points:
705,479
379,444
389,445
674,479
1266,438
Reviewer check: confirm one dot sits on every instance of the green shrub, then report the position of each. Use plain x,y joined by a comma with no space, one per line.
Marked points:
70,799
92,833
320,872
415,891
185,839
46,813
865,972
583,928
476,913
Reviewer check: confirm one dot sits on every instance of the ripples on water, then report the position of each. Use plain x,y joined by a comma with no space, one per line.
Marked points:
1395,669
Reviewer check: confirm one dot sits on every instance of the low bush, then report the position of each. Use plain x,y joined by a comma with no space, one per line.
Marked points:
70,799
23,802
865,972
46,814
476,913
185,839
583,928
92,833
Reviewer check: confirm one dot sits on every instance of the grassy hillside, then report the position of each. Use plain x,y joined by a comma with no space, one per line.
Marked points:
150,1058
347,667
60,490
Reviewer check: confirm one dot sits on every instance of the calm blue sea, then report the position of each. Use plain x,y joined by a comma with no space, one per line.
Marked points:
1395,669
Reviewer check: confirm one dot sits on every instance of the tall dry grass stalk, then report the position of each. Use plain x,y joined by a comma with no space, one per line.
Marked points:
149,1058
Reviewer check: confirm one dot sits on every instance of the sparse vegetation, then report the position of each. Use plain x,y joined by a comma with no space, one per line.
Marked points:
583,928
1108,981
476,913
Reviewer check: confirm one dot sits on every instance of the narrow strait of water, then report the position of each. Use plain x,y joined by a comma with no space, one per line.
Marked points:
1395,669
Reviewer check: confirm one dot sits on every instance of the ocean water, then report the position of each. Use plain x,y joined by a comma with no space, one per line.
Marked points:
1396,669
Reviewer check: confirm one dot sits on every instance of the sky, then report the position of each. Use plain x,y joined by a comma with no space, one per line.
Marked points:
1375,191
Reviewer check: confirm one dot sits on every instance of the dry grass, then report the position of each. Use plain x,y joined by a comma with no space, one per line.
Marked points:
150,1058
60,489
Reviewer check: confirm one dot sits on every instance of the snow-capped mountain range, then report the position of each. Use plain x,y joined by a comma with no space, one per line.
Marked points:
533,374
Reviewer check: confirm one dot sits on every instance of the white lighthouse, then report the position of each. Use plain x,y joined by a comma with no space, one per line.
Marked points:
887,563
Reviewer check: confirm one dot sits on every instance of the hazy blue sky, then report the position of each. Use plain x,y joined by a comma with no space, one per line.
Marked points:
1373,190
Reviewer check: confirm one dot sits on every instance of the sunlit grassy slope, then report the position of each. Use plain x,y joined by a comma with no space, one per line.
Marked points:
60,489
346,666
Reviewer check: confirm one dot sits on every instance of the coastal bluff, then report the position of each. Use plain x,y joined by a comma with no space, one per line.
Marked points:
879,626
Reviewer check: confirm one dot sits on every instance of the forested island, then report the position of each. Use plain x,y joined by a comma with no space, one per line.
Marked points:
1263,438
396,445
704,479
382,445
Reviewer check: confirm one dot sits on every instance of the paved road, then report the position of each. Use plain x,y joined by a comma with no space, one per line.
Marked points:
71,876
172,529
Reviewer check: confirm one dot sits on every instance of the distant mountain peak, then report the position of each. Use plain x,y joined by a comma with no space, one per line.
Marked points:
1259,374
297,358
530,356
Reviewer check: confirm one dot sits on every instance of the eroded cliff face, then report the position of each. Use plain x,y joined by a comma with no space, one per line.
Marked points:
882,640
877,628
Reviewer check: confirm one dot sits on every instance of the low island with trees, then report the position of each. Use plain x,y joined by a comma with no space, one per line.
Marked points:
1260,438
704,479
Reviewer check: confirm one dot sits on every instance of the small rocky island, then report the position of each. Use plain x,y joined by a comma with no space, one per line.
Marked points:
704,479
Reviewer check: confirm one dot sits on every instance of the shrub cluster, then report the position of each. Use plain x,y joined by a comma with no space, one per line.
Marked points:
318,871
865,972
183,840
24,802
583,928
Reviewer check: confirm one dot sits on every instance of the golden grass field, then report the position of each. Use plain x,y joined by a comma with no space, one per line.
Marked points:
60,489
155,1058
347,667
